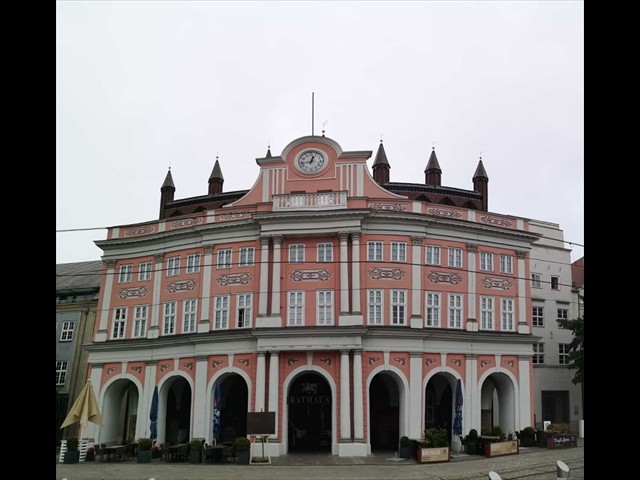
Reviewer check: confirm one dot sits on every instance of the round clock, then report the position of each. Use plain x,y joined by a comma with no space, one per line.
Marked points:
311,161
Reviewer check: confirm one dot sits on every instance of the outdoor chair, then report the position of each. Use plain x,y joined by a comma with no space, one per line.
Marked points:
229,454
97,449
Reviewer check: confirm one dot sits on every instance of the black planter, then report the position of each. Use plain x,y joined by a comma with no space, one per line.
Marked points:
242,457
472,447
404,451
144,456
195,456
527,440
71,457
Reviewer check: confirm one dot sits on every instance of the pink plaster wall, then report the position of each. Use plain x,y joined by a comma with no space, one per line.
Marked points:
216,363
109,370
188,366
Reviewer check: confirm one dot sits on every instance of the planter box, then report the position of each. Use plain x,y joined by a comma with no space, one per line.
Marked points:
495,449
144,456
561,441
432,454
404,452
472,447
71,457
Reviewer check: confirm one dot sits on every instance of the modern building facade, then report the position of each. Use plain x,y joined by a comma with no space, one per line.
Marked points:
77,288
347,304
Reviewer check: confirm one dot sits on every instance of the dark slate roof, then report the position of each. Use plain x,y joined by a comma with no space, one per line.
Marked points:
78,276
480,171
381,157
204,199
168,181
433,164
216,173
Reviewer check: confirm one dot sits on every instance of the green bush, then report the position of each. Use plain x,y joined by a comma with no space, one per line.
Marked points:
72,444
242,444
497,432
435,437
528,431
144,444
404,441
559,428
473,434
196,443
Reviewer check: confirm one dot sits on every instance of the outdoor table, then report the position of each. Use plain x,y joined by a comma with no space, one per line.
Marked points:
113,450
172,451
216,453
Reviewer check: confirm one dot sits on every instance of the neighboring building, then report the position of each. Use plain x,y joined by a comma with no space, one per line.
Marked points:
346,304
577,283
77,288
556,398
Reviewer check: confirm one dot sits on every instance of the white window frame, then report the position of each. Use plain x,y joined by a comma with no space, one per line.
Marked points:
537,316
144,271
536,280
169,311
221,312
296,253
140,315
224,258
125,273
398,307
247,255
173,266
295,308
506,263
61,371
432,255
563,316
487,313
432,309
456,307
374,251
538,354
119,323
563,356
507,315
189,315
455,257
398,251
486,261
324,307
193,263
375,307
325,252
244,308
66,334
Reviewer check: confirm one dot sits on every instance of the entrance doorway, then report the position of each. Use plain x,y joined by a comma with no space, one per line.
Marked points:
233,407
555,406
178,411
309,404
384,412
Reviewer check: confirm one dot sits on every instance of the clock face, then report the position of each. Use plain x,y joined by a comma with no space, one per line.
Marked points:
311,161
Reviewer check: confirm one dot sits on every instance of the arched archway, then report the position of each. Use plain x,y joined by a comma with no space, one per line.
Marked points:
497,404
174,411
439,401
120,412
309,413
234,406
386,411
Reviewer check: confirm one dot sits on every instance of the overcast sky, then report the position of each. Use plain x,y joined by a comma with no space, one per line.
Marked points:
144,85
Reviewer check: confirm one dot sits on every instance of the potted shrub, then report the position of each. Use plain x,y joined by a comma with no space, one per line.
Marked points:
144,450
405,447
195,452
72,455
558,435
498,444
242,445
527,437
471,442
434,446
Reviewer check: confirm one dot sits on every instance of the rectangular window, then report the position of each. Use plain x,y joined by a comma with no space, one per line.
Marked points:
246,256
563,352
555,285
296,253
189,309
125,273
506,313
173,266
486,261
325,252
536,280
244,310
455,310
119,321
193,263
224,258
398,307
169,319
538,353
538,316
432,315
61,372
221,312
455,257
486,313
398,252
374,304
506,264
325,307
433,255
374,251
67,331
144,271
563,314
296,308
140,321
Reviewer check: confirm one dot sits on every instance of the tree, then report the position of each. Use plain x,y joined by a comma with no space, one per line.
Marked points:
576,349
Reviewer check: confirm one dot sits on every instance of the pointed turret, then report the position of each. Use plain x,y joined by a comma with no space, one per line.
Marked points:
381,166
268,155
481,184
433,173
166,192
216,180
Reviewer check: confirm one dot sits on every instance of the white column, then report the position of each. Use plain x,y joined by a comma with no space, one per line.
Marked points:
344,274
260,379
472,319
204,325
524,381
154,331
264,277
355,273
521,301
471,399
416,283
92,430
358,404
200,429
345,404
101,335
275,279
415,396
274,387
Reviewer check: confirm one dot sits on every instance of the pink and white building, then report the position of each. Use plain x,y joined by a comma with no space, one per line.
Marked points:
347,304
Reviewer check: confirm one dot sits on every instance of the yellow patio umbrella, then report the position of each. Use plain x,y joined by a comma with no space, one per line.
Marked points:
84,409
